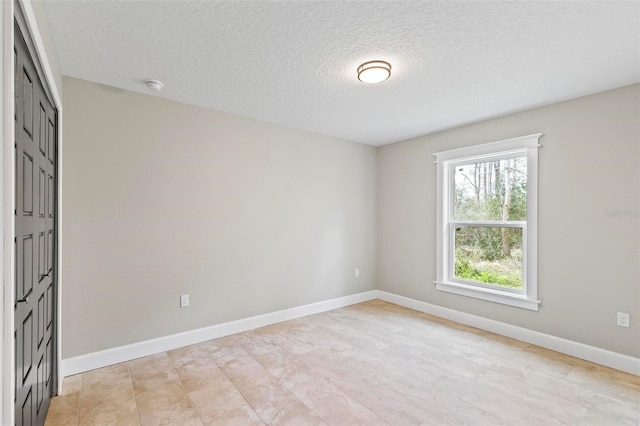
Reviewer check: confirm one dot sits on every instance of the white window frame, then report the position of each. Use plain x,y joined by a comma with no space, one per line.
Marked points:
446,162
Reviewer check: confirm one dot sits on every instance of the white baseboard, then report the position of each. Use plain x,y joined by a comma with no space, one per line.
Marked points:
604,357
91,361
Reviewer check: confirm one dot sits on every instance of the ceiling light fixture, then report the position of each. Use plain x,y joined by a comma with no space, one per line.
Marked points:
154,85
374,72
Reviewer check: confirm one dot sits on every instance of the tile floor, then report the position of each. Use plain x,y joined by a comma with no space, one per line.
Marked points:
368,364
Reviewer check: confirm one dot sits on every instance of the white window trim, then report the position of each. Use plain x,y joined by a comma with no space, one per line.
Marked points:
528,298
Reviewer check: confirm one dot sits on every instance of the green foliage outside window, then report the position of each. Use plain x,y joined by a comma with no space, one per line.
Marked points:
490,191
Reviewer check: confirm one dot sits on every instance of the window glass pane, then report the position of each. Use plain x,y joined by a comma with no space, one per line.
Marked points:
489,255
491,190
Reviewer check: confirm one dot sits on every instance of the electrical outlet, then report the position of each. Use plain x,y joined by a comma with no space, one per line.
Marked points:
357,273
184,300
623,319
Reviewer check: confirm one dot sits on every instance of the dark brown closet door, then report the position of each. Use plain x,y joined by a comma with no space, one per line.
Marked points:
36,147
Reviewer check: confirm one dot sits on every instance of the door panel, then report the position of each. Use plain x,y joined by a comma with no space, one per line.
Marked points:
27,111
35,133
26,360
27,266
27,187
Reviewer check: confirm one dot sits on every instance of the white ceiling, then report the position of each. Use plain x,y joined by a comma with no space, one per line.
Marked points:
294,62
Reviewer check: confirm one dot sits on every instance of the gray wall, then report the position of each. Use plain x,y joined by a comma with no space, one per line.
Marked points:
162,198
588,261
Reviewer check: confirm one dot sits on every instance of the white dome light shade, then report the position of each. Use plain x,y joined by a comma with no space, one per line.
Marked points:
374,72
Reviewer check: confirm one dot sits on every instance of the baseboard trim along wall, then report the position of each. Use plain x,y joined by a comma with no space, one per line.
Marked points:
600,356
91,361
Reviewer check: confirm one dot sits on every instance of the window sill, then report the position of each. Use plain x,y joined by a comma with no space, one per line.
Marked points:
491,295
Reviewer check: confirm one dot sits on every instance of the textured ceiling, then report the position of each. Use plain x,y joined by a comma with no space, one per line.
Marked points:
294,63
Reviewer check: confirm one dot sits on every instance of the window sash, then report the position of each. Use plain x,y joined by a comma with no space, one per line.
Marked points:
491,223
451,166
451,264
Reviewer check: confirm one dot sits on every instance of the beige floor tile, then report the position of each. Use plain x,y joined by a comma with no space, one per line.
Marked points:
608,381
521,404
584,395
72,384
57,418
273,403
119,408
169,404
371,363
377,397
160,396
611,413
154,368
220,403
107,398
327,400
196,367
118,373
236,362
64,408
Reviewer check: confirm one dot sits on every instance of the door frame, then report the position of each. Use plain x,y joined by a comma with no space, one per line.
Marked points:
23,11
